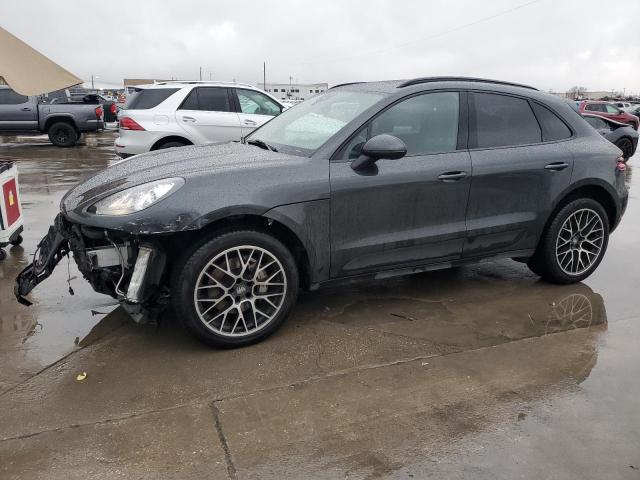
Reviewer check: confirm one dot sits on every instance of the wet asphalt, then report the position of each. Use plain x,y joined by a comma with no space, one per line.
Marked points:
480,372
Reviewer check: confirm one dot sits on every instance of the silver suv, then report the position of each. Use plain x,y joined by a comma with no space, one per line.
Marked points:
173,114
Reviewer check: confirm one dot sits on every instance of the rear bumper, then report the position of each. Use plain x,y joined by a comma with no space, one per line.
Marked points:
130,143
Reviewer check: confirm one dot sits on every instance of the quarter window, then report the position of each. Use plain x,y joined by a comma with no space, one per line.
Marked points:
501,120
552,127
9,97
145,98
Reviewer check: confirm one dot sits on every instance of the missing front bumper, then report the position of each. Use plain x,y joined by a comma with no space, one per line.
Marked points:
125,267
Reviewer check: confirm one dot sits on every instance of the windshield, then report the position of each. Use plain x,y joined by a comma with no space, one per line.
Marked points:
302,129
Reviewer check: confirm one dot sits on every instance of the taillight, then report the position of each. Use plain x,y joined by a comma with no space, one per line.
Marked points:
99,111
127,123
113,108
621,166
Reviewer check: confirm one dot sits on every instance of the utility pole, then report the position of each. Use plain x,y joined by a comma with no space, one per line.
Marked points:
210,75
200,73
264,75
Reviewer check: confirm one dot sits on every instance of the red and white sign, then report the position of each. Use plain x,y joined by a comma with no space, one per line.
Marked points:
11,203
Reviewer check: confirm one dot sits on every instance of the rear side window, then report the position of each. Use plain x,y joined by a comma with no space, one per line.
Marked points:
145,98
500,120
9,97
596,107
552,127
210,99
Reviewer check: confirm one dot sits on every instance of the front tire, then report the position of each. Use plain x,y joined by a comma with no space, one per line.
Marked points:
62,134
236,289
573,244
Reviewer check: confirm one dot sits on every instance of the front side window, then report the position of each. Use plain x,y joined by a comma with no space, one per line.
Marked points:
426,124
500,120
210,99
256,103
9,97
613,110
303,129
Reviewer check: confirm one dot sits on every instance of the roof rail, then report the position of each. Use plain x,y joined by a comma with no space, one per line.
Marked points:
193,82
417,81
345,84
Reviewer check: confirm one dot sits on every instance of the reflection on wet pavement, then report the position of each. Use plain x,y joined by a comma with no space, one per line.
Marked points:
476,372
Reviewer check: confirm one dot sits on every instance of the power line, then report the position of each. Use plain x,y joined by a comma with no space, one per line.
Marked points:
430,37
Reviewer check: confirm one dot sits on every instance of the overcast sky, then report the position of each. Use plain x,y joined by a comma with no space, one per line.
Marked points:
546,43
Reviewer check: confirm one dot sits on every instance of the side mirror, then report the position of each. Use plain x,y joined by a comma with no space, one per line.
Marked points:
381,146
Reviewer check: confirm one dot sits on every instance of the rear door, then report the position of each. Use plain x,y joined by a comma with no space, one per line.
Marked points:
17,112
519,168
254,109
208,115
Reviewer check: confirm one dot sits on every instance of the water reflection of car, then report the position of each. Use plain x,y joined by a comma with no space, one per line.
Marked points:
175,114
621,135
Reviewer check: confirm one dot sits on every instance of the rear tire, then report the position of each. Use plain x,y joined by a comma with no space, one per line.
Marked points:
573,244
17,241
171,144
626,145
236,289
62,134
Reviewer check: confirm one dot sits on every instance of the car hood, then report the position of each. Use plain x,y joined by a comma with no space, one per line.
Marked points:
184,162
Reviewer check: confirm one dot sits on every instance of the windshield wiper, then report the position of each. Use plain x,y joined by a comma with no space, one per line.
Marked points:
261,144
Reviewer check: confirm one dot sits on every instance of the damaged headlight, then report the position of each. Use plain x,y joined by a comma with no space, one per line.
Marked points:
136,198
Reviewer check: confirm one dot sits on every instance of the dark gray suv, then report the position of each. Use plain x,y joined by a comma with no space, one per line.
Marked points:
377,179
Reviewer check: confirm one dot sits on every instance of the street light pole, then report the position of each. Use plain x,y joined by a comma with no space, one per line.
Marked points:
264,75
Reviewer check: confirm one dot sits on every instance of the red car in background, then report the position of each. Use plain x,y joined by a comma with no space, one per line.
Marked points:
607,110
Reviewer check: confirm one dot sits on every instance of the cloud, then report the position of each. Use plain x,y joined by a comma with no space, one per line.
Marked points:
541,43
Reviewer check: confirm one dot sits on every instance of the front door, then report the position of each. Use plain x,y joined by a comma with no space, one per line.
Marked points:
208,115
254,109
402,212
17,112
520,166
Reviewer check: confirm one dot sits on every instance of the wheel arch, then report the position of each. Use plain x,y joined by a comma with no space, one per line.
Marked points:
170,138
256,221
595,190
60,118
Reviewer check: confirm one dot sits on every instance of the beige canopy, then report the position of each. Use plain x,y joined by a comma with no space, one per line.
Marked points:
29,72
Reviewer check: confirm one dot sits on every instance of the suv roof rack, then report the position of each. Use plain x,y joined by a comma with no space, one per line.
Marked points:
204,82
417,81
345,84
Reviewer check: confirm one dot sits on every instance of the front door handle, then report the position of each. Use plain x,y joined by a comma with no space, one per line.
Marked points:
452,176
250,123
26,109
188,119
556,166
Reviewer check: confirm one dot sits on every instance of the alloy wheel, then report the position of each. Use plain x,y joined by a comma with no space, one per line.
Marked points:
579,241
240,291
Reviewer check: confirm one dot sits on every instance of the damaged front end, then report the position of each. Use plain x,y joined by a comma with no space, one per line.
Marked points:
127,267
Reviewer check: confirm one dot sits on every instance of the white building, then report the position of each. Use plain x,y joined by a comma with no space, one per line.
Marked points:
293,91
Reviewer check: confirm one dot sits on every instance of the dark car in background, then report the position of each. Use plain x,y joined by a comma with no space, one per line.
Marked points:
608,110
621,135
368,179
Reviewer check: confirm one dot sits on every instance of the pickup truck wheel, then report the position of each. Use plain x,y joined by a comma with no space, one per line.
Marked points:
63,134
236,289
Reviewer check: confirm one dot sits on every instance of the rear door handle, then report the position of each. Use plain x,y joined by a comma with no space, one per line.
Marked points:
26,109
251,123
556,166
452,176
188,119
